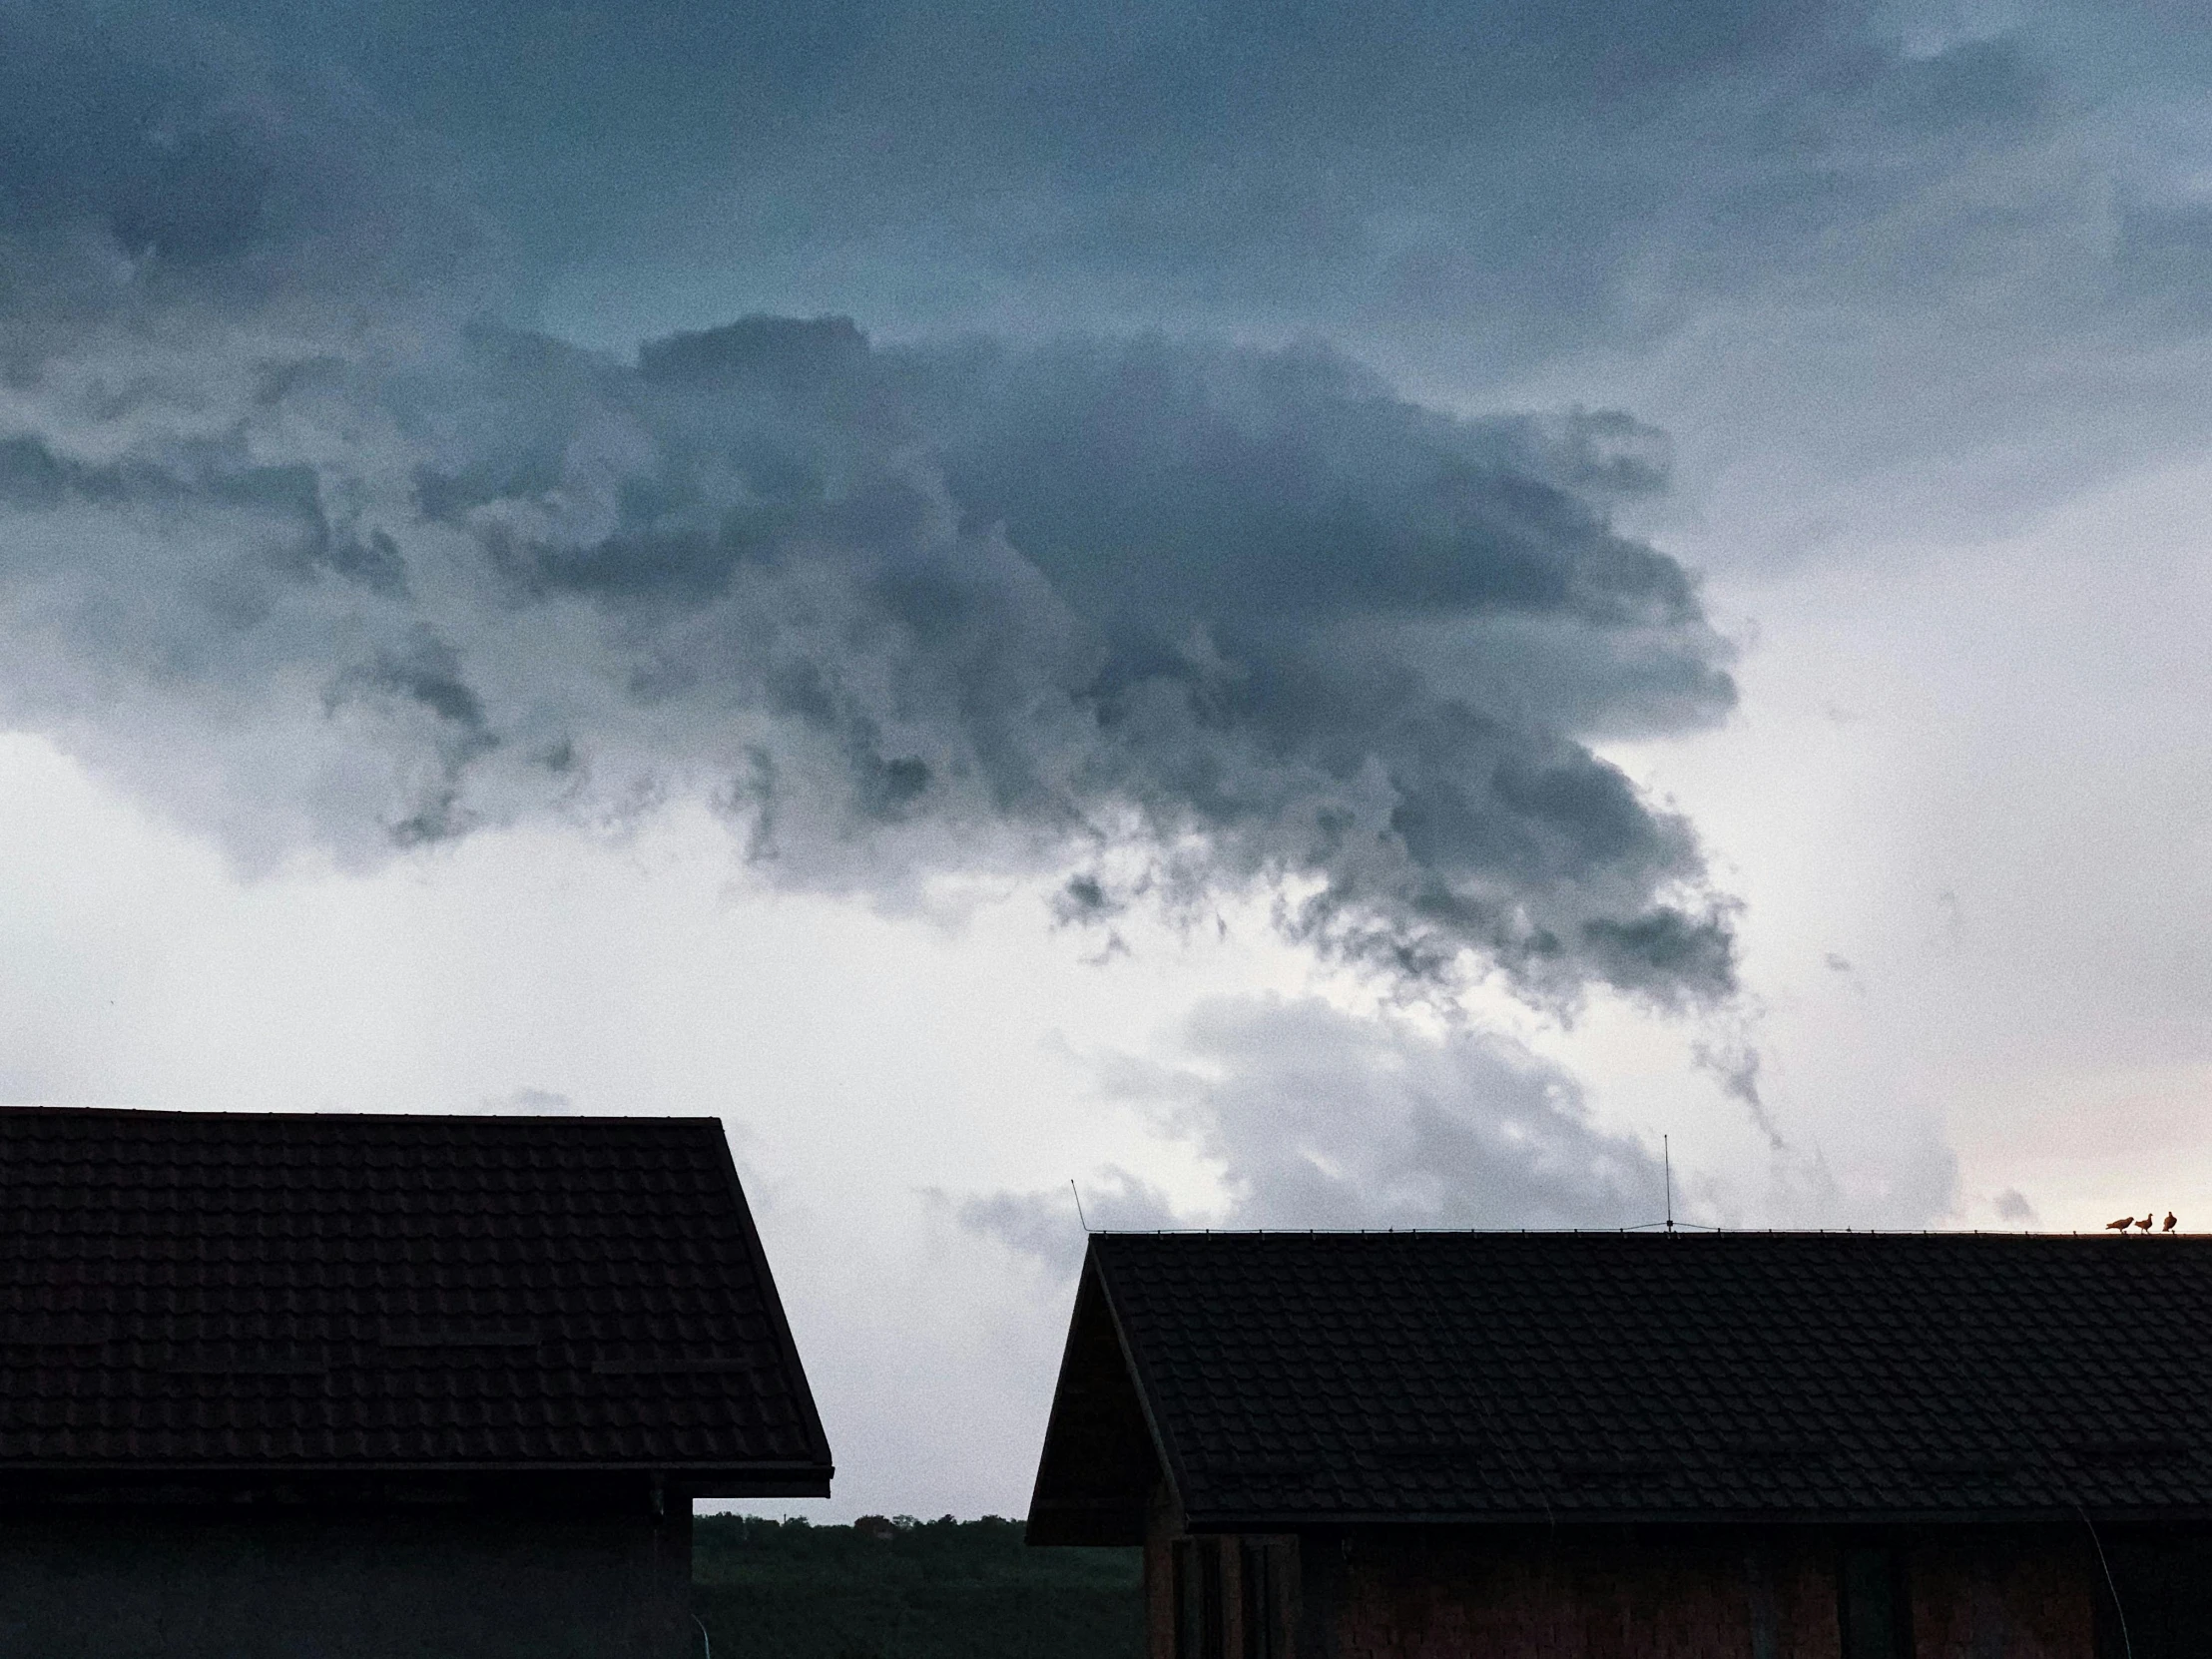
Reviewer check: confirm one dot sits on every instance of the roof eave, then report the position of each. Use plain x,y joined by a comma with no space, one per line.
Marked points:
1054,1521
812,1484
1297,1520
758,1475
817,1438
1171,1464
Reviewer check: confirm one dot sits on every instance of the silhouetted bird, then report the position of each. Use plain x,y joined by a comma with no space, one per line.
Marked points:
2145,1224
2120,1226
2170,1227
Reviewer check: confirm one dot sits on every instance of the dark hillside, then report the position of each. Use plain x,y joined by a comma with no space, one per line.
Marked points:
942,1589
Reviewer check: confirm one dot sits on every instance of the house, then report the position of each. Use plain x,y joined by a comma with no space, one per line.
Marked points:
352,1386
1660,1445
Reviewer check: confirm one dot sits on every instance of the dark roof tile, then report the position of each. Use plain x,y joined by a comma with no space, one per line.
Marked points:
315,1291
1495,1375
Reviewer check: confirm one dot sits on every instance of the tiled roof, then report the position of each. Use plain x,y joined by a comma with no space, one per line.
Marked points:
320,1292
1564,1377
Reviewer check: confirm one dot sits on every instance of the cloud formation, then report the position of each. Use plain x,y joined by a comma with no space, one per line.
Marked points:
1547,169
161,166
1313,1117
1831,239
1545,174
296,541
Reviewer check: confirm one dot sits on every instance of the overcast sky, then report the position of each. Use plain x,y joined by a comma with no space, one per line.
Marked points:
1303,615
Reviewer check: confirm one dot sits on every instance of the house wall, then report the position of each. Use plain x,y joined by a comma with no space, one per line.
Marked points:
1160,1534
2158,1603
2003,1596
1428,1593
1413,1595
428,1583
1245,1589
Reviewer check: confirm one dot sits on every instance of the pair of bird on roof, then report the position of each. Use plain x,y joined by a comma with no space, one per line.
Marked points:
2125,1222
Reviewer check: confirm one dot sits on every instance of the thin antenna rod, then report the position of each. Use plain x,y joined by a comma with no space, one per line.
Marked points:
1079,1216
1666,1166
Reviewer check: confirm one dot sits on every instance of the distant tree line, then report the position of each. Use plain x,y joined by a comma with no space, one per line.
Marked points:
900,1588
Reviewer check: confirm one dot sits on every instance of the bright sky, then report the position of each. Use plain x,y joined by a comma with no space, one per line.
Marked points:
1380,607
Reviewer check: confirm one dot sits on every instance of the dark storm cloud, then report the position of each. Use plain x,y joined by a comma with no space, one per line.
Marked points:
1131,592
288,540
1845,246
1313,1117
162,155
1483,182
1411,165
1831,239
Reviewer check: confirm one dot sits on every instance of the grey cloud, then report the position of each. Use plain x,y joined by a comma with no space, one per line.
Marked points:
532,1102
1050,1226
1329,164
1493,182
1409,156
1830,238
1313,1117
1310,1116
1214,560
1182,617
1322,1119
1832,241
151,155
2012,1205
812,592
1735,1063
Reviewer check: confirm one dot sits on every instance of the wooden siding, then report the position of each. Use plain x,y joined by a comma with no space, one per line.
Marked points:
1710,1593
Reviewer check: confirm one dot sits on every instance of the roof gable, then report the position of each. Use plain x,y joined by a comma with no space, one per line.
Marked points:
1100,1468
1300,1378
299,1292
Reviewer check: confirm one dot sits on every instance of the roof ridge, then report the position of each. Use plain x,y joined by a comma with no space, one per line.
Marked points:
1639,1231
224,1114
